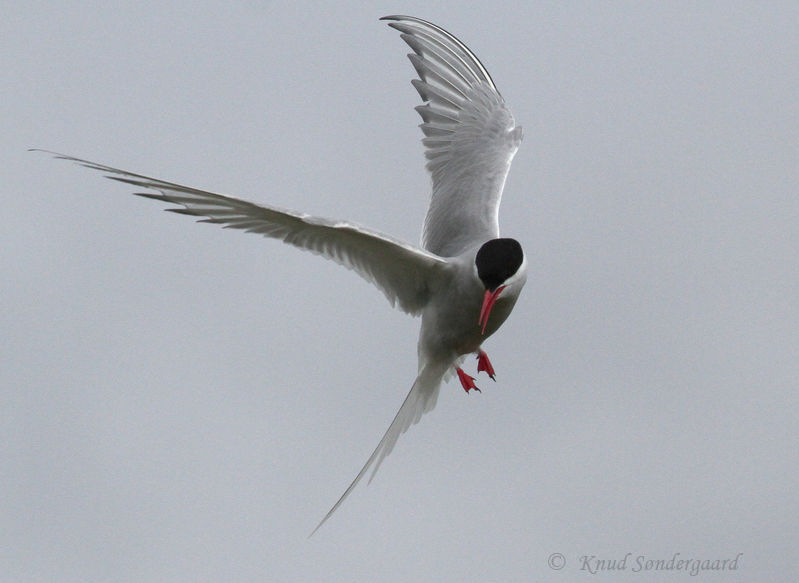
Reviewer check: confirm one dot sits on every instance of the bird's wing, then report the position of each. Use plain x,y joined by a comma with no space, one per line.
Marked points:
470,137
421,399
403,272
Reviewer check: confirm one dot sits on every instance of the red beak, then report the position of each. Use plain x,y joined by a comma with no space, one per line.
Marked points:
489,299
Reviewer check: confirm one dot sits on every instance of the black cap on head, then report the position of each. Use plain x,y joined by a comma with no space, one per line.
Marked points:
497,260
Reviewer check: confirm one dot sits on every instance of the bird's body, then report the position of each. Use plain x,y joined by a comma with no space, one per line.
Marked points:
445,333
464,279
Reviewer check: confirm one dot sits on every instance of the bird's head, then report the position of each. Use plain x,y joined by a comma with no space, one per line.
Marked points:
500,265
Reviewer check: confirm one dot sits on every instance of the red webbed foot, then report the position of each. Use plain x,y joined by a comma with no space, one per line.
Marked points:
484,365
466,381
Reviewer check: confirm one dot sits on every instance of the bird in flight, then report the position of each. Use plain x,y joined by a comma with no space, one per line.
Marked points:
463,279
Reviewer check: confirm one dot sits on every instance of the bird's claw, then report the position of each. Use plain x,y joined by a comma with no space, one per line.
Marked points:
466,381
484,365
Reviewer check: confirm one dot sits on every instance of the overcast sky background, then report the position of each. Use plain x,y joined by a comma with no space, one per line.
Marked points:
184,403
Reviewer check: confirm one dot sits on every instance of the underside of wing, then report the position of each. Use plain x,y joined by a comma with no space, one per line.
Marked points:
470,137
403,272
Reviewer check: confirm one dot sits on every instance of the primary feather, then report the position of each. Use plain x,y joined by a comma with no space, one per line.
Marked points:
403,272
470,137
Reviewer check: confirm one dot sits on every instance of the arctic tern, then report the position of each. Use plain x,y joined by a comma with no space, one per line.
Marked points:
463,279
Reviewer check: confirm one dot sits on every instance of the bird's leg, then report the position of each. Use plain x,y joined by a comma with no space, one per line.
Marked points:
466,381
483,364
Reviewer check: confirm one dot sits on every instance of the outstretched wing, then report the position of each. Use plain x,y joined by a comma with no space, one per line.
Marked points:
404,273
470,137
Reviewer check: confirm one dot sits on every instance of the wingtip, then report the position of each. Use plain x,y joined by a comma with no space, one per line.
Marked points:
51,152
60,156
398,18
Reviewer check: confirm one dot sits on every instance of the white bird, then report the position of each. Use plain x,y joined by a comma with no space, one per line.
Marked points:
464,279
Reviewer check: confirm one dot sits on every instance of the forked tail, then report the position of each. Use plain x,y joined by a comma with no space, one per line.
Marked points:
421,399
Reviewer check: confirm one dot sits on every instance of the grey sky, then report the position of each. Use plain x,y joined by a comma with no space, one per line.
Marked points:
184,403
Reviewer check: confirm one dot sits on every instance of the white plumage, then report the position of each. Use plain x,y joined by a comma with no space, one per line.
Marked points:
464,280
470,137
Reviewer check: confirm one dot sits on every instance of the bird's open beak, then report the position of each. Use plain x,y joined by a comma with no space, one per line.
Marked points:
489,299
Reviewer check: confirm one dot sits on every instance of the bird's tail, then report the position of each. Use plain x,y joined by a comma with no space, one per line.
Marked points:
421,399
